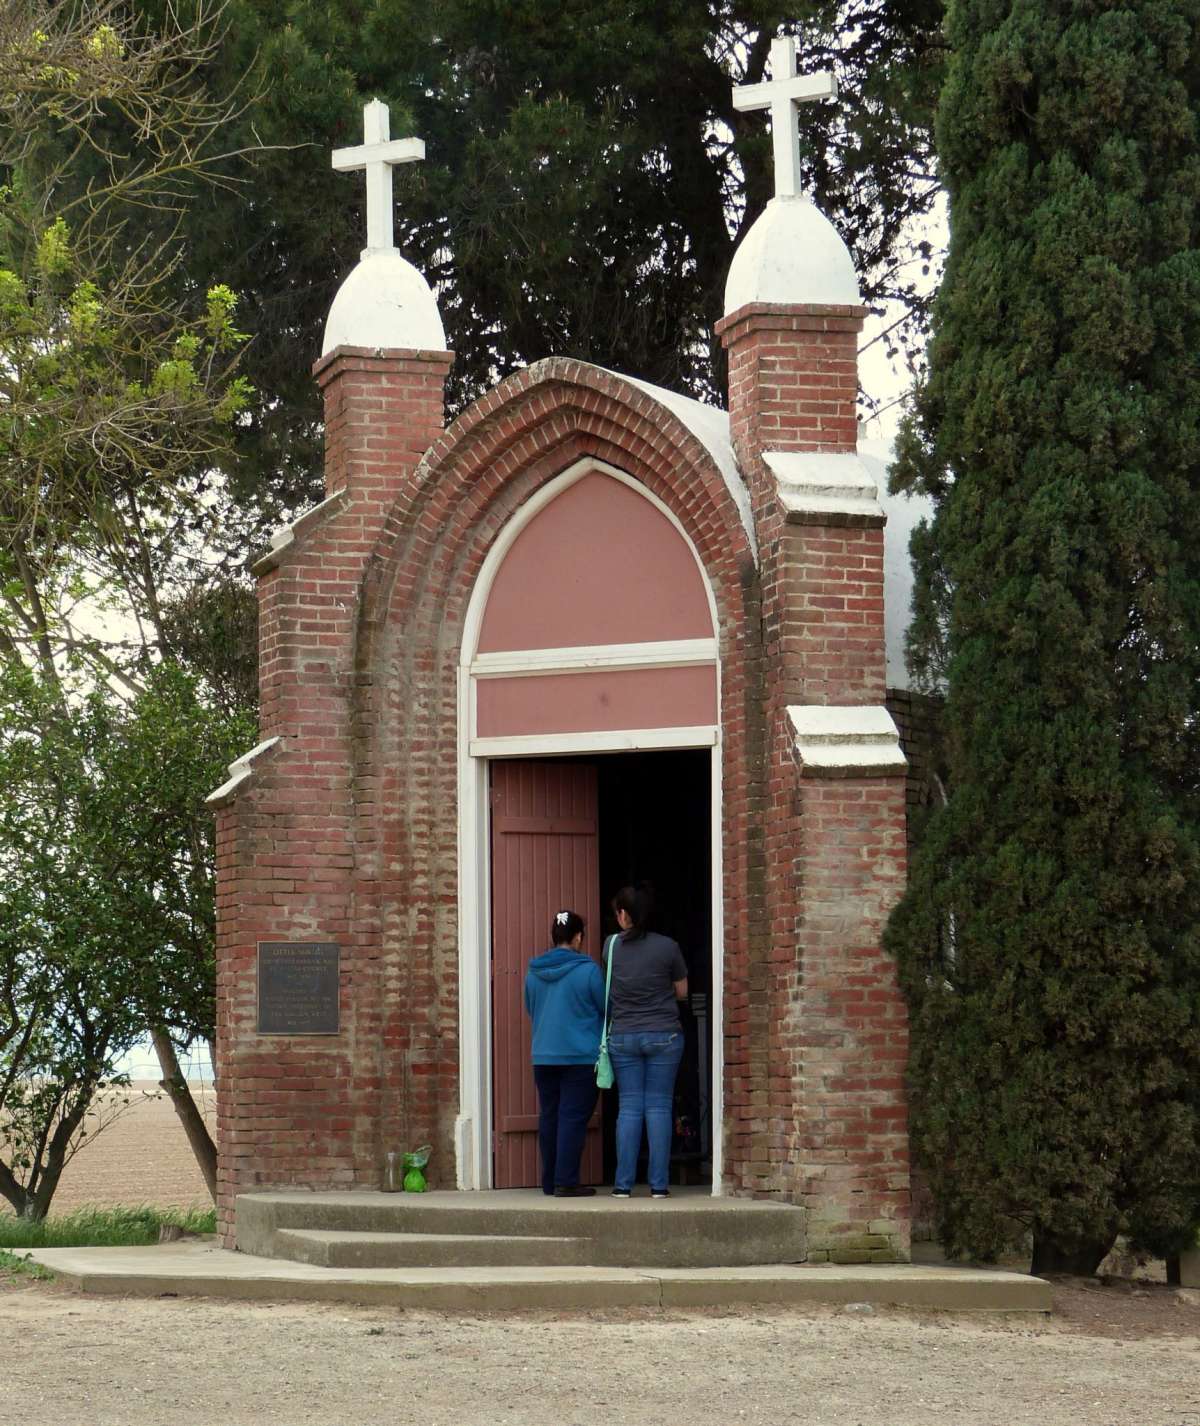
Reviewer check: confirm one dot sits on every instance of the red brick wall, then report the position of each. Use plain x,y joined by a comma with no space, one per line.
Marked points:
831,614
350,831
291,863
848,1019
532,428
348,828
793,377
828,1129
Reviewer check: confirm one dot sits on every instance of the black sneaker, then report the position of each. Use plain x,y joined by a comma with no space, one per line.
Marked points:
622,1193
573,1190
660,1193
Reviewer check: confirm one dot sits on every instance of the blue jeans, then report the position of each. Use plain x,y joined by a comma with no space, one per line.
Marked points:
646,1063
566,1098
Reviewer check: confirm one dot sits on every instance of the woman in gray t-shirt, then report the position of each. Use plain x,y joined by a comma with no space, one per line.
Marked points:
649,979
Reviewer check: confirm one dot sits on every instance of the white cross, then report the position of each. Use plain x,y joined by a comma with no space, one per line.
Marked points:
378,156
783,95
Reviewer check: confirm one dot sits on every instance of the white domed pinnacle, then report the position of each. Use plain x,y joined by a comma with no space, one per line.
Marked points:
384,302
793,255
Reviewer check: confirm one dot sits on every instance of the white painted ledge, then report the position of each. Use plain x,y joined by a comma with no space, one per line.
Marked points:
287,535
241,770
846,742
816,485
626,740
667,653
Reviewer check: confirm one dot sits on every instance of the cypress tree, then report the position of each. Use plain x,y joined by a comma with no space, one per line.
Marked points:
1049,943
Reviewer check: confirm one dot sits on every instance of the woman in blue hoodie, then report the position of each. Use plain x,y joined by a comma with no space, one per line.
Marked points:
564,995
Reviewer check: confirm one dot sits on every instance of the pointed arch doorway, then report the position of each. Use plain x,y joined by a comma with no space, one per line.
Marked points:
590,642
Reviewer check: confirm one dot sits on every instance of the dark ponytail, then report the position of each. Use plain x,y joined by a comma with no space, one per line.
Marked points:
565,927
638,904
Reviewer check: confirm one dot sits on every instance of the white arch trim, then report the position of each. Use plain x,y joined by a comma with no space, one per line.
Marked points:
534,506
473,1127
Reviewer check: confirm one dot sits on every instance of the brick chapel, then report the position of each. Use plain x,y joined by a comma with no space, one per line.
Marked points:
589,633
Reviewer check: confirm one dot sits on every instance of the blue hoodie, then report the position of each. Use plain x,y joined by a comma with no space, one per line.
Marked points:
564,993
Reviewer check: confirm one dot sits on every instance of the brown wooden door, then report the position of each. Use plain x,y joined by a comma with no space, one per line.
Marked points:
545,858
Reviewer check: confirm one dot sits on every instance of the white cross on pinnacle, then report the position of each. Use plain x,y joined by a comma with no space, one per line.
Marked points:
377,156
783,95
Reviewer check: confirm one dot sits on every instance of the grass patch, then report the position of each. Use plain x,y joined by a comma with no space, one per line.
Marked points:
12,1266
102,1227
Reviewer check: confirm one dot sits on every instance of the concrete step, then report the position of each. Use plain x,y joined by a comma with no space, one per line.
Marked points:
202,1269
690,1229
425,1250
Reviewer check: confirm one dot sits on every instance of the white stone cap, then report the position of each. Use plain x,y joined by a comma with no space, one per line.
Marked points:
286,536
823,483
240,771
792,256
384,303
843,741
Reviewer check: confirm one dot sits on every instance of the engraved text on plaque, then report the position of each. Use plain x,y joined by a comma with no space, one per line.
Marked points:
297,988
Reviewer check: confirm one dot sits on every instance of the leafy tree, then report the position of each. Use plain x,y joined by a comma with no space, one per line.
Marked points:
166,750
106,901
104,416
586,183
1049,943
61,1027
118,400
212,629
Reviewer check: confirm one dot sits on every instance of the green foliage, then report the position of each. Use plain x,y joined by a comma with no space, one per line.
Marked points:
53,250
586,181
119,394
104,398
13,1266
1049,943
212,628
103,1227
119,389
106,901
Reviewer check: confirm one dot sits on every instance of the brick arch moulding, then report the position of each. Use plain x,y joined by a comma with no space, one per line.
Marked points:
561,423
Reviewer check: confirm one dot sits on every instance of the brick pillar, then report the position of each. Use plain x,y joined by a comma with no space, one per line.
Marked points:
828,1123
296,847
383,410
793,378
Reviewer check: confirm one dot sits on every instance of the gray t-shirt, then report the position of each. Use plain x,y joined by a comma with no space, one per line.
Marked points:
644,973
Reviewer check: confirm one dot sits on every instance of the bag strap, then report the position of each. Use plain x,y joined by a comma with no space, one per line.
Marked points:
611,948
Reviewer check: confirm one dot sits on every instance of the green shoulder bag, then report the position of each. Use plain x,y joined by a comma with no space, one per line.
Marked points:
604,1069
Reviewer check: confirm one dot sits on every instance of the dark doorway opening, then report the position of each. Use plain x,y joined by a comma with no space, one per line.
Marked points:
571,832
655,814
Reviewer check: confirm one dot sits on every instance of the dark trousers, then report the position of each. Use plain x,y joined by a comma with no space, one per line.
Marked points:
566,1098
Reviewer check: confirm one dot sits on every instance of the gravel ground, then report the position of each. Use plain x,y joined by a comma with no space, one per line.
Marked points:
1126,1354
1109,1357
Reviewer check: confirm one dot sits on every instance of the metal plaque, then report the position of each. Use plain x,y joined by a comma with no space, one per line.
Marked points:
297,988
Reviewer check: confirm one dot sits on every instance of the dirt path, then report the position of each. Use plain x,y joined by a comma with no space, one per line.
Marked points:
1127,1355
1109,1358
